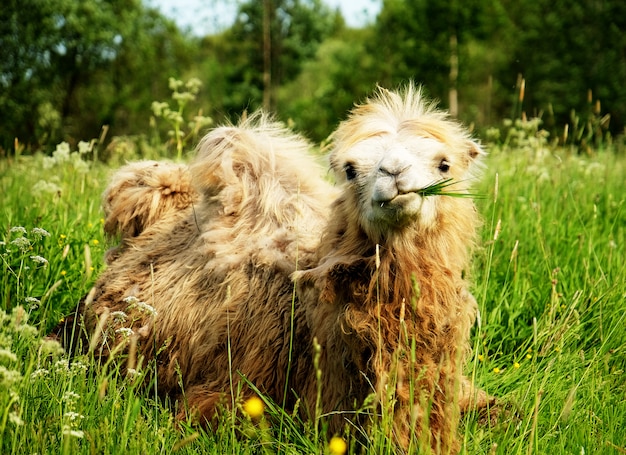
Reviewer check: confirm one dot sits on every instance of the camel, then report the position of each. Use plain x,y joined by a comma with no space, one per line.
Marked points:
248,263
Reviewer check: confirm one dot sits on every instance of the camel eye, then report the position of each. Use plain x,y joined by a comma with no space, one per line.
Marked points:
350,171
444,166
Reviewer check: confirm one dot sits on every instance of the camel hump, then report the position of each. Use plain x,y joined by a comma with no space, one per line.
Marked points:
144,192
262,171
257,151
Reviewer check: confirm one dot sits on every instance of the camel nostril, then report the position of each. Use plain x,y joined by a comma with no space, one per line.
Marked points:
392,171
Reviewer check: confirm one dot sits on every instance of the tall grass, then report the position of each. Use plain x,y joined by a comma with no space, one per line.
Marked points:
550,343
551,283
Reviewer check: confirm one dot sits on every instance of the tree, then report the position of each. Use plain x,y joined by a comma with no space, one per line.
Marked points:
329,85
430,42
566,50
297,28
67,67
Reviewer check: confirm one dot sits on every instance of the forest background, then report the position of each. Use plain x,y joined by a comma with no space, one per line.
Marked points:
69,68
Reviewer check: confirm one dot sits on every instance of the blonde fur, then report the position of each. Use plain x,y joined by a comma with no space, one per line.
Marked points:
263,256
142,194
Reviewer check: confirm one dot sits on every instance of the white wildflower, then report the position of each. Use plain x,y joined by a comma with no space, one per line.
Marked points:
84,147
39,232
125,331
7,356
132,372
194,84
15,419
39,373
22,243
174,83
77,366
9,377
32,303
39,260
18,229
73,416
119,316
183,97
70,397
68,431
159,108
143,306
134,302
61,366
42,186
62,152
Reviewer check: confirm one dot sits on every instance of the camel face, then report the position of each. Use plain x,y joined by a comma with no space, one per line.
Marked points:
388,173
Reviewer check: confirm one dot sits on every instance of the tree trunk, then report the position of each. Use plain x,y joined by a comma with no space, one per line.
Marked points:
267,55
453,102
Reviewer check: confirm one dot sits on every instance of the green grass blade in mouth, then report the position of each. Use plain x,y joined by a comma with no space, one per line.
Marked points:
439,189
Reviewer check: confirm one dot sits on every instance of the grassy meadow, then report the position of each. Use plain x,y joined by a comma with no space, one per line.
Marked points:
550,280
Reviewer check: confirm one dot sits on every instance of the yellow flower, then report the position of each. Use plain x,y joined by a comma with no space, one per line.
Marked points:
63,236
528,356
95,241
516,365
254,407
63,272
496,370
337,445
481,357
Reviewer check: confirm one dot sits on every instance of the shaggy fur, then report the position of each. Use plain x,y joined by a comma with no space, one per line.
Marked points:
259,257
140,194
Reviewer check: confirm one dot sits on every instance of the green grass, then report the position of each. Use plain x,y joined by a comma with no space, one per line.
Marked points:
551,344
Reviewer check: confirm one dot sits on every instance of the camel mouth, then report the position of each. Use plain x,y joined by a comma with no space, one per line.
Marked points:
402,206
399,200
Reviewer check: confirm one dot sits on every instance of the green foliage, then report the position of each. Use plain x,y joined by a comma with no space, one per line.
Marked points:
67,67
297,28
175,117
327,86
42,200
551,299
566,50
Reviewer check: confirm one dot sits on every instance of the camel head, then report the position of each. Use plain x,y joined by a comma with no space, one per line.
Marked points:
388,151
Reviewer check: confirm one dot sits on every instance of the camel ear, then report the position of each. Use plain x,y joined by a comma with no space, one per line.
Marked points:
475,150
